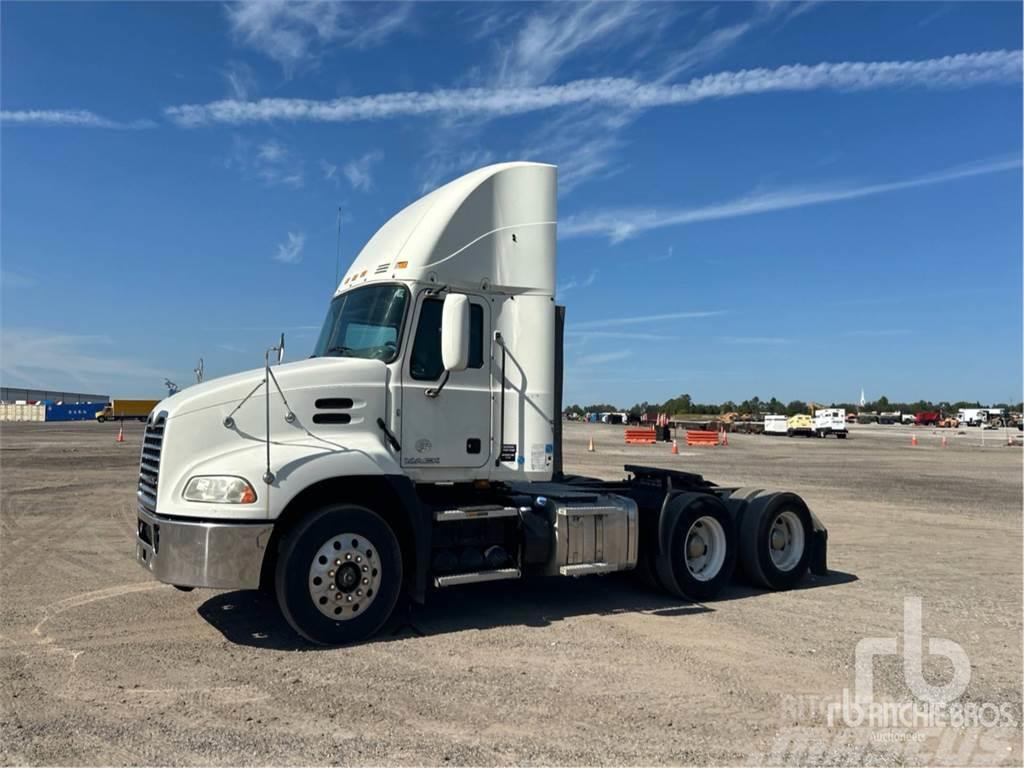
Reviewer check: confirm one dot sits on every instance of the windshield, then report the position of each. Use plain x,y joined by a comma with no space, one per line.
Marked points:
366,322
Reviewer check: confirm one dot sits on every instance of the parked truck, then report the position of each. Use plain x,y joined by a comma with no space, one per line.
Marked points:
419,447
830,421
119,410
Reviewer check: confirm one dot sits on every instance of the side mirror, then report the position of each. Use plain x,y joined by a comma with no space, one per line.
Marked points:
455,332
280,349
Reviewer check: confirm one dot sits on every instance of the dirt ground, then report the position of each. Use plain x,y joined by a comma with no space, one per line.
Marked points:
101,665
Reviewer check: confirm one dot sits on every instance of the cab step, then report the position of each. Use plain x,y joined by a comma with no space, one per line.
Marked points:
587,569
483,512
456,579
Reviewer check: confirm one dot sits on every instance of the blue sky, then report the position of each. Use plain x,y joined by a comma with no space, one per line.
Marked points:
790,200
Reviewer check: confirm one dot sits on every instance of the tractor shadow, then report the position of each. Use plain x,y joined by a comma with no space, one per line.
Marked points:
252,618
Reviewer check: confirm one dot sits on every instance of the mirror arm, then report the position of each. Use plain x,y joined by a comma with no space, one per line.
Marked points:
435,391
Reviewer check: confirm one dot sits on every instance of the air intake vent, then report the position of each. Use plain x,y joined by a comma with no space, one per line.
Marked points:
381,269
334,403
331,418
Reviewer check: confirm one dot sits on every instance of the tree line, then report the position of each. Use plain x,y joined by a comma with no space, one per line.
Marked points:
684,404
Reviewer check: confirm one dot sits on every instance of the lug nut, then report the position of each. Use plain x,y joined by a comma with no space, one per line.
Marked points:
338,596
366,581
359,559
330,574
337,562
348,556
365,569
359,593
349,598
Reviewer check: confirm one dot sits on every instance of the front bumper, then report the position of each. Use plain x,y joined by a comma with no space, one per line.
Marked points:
201,553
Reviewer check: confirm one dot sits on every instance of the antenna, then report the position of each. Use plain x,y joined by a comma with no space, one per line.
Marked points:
199,372
337,253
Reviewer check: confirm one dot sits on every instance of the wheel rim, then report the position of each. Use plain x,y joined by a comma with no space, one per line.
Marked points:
786,540
704,548
345,576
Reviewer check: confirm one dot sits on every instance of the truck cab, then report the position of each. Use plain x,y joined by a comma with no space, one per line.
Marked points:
415,448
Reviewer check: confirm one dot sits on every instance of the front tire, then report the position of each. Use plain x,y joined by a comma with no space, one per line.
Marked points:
338,575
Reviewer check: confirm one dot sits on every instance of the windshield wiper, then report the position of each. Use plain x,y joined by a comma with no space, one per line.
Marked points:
339,350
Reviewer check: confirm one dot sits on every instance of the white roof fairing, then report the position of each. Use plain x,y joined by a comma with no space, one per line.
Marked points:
495,224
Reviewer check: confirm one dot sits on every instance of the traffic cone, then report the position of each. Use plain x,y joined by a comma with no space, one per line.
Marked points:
120,434
675,448
913,440
590,445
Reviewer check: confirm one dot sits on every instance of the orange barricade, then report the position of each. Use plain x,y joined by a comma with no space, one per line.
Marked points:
701,437
641,437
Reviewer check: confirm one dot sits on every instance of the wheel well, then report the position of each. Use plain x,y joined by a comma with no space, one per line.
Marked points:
374,492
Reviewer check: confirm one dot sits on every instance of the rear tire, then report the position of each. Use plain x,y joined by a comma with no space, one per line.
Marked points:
775,540
697,548
338,575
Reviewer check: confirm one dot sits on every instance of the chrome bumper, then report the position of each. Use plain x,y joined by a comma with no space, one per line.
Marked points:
201,553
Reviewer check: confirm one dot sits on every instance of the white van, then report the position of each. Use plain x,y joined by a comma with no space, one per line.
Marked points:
830,421
775,425
972,417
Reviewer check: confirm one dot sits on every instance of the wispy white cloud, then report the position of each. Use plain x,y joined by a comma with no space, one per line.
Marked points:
442,166
240,79
10,279
958,71
709,47
759,341
75,117
574,283
638,319
547,38
588,335
599,358
359,172
34,355
880,333
290,251
271,162
623,223
292,33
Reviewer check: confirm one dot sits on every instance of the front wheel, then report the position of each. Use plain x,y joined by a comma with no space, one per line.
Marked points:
339,574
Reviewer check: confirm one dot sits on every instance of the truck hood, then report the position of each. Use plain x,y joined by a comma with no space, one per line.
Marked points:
302,374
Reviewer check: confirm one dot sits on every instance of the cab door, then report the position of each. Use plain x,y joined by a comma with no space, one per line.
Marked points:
450,427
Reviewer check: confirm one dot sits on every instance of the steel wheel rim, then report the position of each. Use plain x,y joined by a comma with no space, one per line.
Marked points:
704,548
786,540
344,577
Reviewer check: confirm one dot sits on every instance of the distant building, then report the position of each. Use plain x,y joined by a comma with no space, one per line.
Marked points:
14,394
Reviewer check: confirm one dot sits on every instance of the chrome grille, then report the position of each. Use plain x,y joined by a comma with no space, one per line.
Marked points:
149,463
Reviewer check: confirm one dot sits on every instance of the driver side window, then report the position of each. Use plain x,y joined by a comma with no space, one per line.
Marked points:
425,362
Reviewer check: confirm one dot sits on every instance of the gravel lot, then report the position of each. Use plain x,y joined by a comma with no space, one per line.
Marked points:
101,665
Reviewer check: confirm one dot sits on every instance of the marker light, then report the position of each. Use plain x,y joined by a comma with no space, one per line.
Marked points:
402,265
220,489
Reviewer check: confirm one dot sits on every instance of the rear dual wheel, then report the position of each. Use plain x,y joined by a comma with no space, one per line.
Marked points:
774,540
697,547
338,575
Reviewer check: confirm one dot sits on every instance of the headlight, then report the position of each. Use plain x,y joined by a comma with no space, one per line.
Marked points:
220,489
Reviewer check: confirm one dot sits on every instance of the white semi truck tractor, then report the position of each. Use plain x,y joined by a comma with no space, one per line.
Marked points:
418,446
